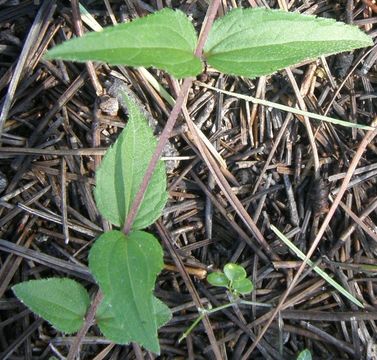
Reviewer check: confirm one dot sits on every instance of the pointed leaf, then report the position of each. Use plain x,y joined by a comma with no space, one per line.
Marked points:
125,268
218,279
234,272
165,40
243,286
255,42
121,172
62,302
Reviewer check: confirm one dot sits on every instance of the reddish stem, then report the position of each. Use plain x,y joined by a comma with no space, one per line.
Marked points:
211,14
89,319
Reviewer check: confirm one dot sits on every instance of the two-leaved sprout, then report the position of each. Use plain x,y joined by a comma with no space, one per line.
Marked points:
234,279
245,42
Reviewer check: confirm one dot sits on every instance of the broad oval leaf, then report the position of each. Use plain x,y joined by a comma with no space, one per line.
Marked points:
110,325
122,170
304,355
218,279
112,328
165,40
255,42
234,272
243,286
125,268
62,302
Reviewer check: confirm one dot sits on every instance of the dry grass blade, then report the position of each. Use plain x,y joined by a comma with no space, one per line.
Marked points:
318,270
289,109
364,143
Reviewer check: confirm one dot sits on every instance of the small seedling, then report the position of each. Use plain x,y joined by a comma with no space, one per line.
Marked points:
234,279
245,42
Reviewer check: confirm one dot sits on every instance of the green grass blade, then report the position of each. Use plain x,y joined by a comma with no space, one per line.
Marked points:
289,109
319,271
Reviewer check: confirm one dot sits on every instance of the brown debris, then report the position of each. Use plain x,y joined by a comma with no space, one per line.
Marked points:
234,169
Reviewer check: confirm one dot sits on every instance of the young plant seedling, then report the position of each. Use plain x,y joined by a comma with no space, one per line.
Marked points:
245,42
234,279
124,265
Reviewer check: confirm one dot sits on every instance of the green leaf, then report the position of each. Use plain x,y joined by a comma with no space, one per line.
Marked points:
255,42
218,279
165,40
62,302
125,268
121,172
117,332
243,286
110,325
162,312
304,355
234,272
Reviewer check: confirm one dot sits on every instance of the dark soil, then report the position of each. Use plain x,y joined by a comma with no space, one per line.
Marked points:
61,118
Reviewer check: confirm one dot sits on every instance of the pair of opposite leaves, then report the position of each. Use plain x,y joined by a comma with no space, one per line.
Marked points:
245,42
124,266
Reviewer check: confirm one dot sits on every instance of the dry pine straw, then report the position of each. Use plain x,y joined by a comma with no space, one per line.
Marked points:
56,122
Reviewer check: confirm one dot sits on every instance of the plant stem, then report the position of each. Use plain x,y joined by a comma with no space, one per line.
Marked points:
288,109
253,303
191,327
89,319
164,137
203,312
216,309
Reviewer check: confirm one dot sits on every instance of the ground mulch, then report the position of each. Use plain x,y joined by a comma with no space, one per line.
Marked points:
59,118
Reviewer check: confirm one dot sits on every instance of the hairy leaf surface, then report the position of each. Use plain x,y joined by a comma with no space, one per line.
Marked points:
112,328
165,40
122,170
125,268
255,42
62,302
